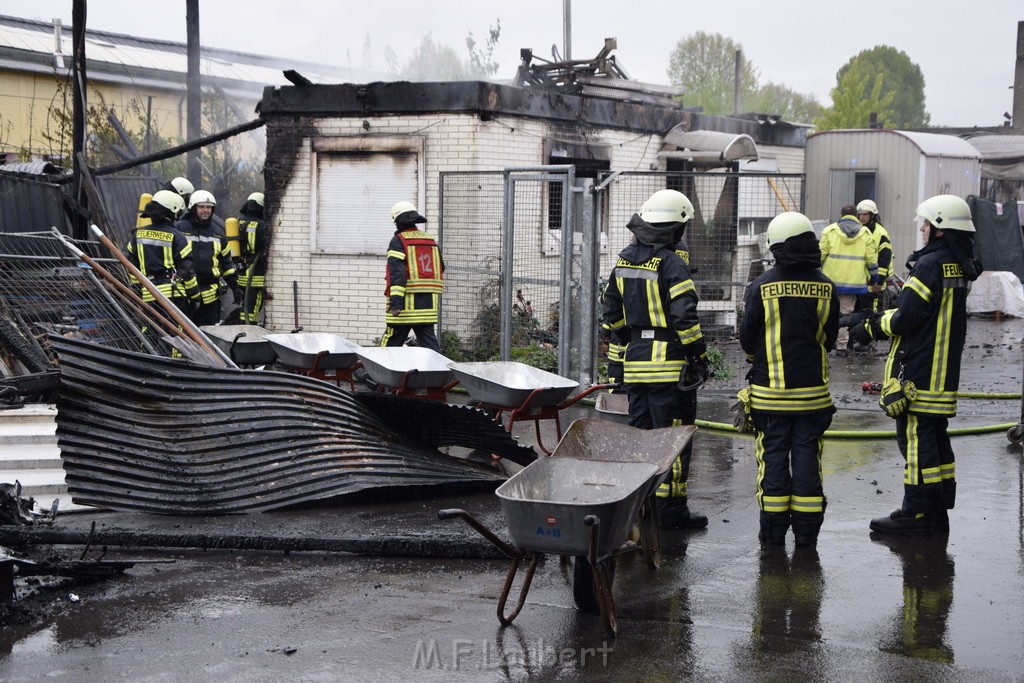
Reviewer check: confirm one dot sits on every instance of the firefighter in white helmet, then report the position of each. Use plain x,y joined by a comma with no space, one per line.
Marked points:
650,307
164,255
212,257
413,281
790,323
867,214
928,328
254,234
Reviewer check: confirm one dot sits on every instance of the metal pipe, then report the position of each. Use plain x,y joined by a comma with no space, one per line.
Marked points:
187,326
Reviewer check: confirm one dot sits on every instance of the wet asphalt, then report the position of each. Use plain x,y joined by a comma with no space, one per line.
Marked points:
719,608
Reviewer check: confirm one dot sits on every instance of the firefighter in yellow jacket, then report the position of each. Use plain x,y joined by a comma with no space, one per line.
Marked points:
413,281
849,257
651,302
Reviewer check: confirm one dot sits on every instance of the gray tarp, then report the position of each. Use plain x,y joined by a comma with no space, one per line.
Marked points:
998,242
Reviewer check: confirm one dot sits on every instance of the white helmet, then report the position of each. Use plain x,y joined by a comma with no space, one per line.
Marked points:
202,197
786,225
867,206
406,208
256,197
182,186
667,206
947,212
170,201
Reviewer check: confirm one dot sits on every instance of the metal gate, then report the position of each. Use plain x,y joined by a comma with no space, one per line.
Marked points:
527,251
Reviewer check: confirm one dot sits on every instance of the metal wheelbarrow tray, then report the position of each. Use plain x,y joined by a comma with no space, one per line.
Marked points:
585,501
408,370
244,344
525,392
321,355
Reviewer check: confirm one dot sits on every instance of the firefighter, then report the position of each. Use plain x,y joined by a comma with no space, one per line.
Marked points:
790,323
922,372
413,281
254,235
849,257
211,255
651,301
183,186
867,214
163,254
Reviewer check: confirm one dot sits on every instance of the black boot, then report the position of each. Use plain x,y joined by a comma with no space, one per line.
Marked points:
674,513
773,528
806,526
903,523
937,511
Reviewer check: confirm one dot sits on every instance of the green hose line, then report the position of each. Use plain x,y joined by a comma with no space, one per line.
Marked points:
982,394
863,434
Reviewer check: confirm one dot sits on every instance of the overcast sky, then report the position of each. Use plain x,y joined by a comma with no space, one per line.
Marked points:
966,50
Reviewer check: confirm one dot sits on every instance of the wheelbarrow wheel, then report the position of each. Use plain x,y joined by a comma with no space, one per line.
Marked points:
584,593
1015,434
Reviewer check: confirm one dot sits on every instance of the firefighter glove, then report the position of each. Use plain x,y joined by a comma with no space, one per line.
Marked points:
742,420
896,396
695,372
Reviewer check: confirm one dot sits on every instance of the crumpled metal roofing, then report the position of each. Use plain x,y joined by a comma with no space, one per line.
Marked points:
141,432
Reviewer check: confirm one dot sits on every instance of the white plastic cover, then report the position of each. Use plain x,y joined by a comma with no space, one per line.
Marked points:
997,291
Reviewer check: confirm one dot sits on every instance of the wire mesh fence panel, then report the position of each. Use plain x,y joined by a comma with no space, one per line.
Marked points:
471,216
46,290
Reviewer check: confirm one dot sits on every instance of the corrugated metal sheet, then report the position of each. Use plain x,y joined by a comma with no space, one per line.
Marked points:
159,435
121,202
28,205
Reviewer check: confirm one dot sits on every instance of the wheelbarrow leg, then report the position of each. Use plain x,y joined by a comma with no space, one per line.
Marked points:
650,533
509,578
602,582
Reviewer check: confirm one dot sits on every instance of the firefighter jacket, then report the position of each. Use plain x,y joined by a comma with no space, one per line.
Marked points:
211,255
255,239
683,251
651,295
164,256
884,244
414,278
928,328
849,256
790,322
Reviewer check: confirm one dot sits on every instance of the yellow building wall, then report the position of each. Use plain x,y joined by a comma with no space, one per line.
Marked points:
26,100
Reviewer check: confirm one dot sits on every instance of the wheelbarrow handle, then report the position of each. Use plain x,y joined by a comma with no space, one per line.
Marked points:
583,394
452,513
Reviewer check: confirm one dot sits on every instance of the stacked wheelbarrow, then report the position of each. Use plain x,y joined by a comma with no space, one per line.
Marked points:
584,501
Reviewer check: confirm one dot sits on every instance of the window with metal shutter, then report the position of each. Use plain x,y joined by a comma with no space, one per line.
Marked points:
354,195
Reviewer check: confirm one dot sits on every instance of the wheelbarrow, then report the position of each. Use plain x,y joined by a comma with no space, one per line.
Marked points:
523,391
408,371
584,501
322,355
245,345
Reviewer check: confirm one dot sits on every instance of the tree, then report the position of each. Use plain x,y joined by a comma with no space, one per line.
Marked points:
902,79
704,66
774,98
858,94
432,61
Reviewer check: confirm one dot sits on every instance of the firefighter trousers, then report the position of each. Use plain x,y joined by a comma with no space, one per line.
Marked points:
929,475
395,335
652,406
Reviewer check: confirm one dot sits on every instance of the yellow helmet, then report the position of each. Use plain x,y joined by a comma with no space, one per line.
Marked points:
667,206
202,197
867,206
786,225
947,212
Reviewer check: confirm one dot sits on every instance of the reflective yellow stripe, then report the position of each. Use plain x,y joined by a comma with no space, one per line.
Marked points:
913,468
677,290
807,504
400,255
919,288
655,310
